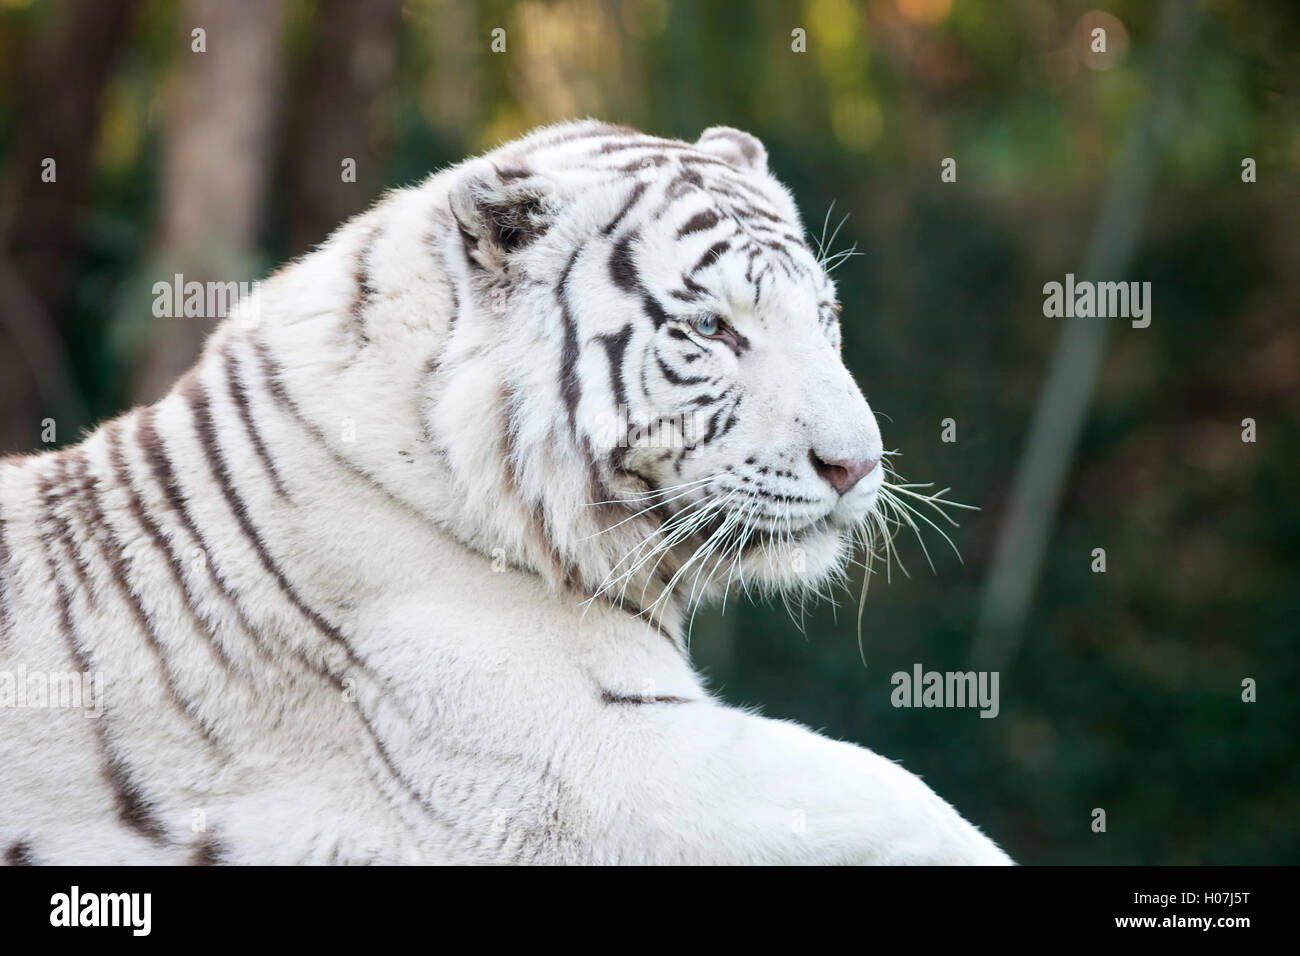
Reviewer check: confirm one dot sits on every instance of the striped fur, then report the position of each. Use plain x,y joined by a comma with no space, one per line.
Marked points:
399,571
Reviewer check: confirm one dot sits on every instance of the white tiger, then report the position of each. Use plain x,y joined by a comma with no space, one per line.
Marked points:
399,571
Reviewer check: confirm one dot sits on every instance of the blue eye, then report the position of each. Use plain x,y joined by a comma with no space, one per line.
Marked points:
706,324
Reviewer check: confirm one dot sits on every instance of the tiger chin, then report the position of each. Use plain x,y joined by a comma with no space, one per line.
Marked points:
399,571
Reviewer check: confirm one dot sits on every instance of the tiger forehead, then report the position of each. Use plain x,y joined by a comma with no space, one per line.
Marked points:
732,193
662,193
689,203
636,158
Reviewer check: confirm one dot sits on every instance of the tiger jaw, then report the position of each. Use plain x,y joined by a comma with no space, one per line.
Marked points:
739,548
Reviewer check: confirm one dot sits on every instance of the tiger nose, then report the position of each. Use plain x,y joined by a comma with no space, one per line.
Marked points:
843,473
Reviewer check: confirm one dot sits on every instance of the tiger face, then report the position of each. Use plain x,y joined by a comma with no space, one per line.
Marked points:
697,379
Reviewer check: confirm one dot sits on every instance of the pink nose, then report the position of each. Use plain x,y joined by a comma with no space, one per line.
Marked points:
843,473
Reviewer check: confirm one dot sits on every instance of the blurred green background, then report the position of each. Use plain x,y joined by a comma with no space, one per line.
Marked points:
1119,690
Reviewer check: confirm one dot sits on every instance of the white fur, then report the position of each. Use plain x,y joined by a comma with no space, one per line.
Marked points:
441,686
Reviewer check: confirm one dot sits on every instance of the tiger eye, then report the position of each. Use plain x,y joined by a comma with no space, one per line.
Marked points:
706,324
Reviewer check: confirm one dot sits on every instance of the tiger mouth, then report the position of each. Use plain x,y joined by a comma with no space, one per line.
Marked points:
749,536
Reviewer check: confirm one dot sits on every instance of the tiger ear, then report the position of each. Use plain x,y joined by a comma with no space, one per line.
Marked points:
499,210
735,147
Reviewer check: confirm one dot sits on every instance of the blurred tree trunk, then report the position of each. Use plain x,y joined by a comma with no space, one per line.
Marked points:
1080,349
217,150
61,79
333,116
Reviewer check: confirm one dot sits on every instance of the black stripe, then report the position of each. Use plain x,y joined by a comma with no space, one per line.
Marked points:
704,401
111,553
647,346
623,272
361,299
713,427
711,255
615,347
685,180
208,852
674,378
570,384
52,498
19,854
699,223
637,191
730,422
160,467
239,395
609,697
134,809
740,345
621,267
122,476
643,142
680,185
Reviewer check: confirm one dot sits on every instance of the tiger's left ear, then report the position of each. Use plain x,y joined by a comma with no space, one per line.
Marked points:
735,147
499,210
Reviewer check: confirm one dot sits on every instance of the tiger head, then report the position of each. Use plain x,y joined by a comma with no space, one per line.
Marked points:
659,349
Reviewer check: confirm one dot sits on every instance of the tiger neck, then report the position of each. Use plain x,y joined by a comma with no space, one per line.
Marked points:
379,414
